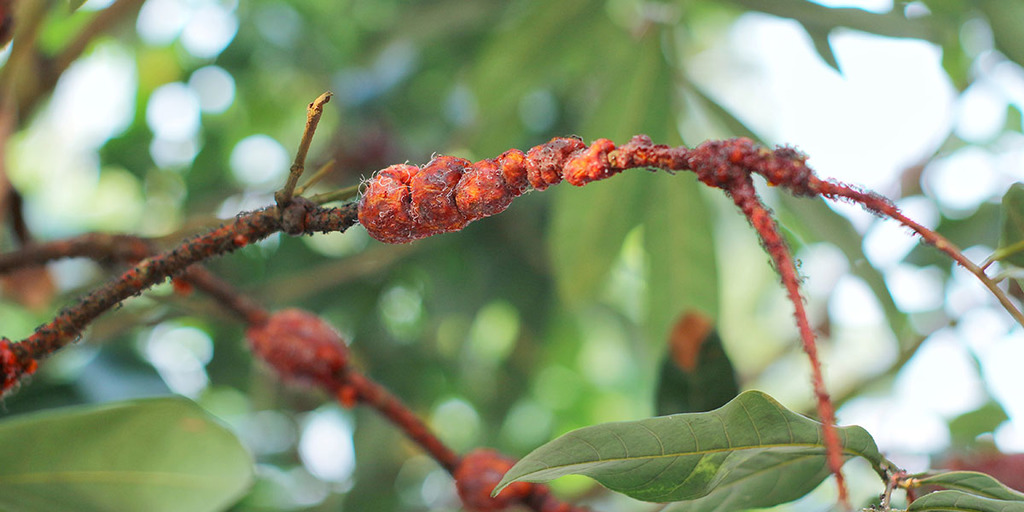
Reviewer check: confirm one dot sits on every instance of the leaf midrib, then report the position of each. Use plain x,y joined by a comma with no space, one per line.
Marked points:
707,452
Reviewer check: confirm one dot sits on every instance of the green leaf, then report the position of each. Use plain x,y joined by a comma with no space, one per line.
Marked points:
1006,17
696,375
980,228
73,5
750,453
1011,243
589,225
680,243
956,501
163,454
972,482
822,45
966,427
730,122
549,46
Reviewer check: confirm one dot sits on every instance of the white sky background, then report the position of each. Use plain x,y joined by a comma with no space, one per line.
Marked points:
889,109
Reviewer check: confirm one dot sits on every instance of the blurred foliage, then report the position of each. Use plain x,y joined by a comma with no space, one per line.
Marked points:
551,316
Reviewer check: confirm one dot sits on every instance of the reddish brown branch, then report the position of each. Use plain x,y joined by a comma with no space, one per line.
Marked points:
302,347
99,247
745,197
299,217
370,393
106,247
882,206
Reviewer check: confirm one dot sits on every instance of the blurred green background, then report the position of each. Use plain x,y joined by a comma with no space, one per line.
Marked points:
554,314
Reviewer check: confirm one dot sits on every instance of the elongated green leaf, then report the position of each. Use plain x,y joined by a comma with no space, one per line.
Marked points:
972,482
589,225
162,454
679,239
1011,243
957,501
752,452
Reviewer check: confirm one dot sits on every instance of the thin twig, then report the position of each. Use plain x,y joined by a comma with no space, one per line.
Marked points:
342,194
313,113
388,405
320,173
881,206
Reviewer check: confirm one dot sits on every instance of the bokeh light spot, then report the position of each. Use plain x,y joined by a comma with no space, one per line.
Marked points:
259,160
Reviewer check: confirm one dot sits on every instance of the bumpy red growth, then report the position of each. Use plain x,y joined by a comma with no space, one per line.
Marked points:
404,202
301,347
478,474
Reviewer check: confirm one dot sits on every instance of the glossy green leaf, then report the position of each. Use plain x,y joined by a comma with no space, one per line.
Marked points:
972,482
1011,243
163,455
752,452
957,501
708,383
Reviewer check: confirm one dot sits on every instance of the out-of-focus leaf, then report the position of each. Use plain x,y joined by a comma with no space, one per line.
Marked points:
31,287
980,228
589,224
823,46
1006,17
75,4
164,454
732,123
956,501
1007,468
1011,243
696,375
811,14
679,239
752,452
965,428
972,482
1014,120
549,45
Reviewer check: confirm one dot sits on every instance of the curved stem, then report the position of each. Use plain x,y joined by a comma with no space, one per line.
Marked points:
743,194
882,206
